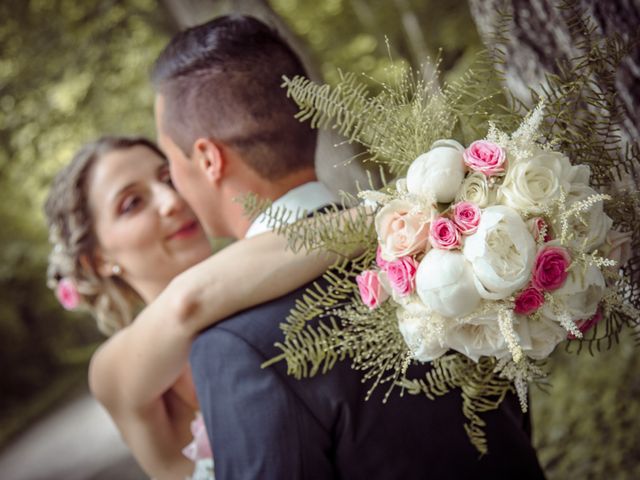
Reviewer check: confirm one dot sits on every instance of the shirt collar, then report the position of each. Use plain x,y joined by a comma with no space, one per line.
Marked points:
307,197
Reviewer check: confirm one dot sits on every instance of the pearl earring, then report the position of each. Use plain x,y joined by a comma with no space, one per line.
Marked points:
116,270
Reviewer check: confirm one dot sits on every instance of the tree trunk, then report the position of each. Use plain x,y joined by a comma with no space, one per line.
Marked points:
332,151
539,37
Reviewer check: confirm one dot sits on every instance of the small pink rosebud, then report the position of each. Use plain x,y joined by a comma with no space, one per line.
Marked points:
550,268
67,294
466,216
528,301
402,275
485,157
443,234
371,291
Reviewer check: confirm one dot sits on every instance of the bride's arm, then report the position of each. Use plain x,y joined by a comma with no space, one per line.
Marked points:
130,373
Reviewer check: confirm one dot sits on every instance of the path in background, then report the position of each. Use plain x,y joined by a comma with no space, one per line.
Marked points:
76,442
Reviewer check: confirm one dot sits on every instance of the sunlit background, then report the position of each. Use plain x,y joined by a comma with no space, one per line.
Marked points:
71,71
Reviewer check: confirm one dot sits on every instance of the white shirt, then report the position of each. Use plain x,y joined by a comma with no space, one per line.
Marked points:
307,197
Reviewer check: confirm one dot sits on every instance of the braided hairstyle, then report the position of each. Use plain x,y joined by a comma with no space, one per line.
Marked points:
72,235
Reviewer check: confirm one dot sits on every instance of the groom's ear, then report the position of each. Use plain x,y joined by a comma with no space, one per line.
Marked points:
209,159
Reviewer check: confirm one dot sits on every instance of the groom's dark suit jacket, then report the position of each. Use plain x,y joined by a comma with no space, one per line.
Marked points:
264,424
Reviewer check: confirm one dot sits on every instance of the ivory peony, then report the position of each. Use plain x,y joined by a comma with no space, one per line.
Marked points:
477,337
592,232
444,282
417,331
501,253
579,296
437,174
538,338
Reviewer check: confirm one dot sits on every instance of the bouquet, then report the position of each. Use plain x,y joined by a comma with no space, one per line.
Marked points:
506,231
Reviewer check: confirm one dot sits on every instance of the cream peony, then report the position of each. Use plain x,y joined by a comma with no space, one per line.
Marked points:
419,334
401,230
579,296
531,184
501,253
592,233
538,338
444,282
437,174
477,337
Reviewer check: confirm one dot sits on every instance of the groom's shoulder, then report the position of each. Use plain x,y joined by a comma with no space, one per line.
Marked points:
258,326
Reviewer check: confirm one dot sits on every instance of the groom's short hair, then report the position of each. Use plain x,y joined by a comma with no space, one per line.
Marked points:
222,80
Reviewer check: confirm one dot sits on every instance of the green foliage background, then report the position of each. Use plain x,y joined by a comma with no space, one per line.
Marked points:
70,71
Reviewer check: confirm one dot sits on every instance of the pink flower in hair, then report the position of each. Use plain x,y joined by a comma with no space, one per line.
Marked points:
67,294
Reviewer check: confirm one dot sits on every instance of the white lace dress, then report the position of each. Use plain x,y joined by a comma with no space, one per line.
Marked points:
199,451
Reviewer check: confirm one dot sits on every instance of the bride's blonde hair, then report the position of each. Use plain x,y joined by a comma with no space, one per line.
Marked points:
71,233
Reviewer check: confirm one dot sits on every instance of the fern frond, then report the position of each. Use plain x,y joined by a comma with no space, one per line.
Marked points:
482,389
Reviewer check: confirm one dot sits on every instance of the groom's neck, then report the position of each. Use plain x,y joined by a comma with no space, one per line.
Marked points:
267,189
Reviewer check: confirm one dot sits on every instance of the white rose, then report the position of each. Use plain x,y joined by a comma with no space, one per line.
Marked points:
475,189
478,336
420,336
579,296
538,338
591,233
444,282
501,252
531,184
437,174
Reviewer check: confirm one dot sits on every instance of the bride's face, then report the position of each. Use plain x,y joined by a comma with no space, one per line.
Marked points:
141,222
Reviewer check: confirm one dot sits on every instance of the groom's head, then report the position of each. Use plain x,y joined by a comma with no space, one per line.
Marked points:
224,121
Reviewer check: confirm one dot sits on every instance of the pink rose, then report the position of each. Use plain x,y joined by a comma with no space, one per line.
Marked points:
550,268
536,226
402,275
381,262
617,247
371,290
485,157
401,230
466,216
529,300
586,325
67,294
444,234
199,448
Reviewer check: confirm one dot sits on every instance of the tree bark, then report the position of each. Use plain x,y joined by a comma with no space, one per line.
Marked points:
539,37
332,151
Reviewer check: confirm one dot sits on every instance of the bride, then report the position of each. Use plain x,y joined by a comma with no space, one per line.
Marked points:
122,236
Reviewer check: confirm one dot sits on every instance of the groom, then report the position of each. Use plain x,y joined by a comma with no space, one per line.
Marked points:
228,129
